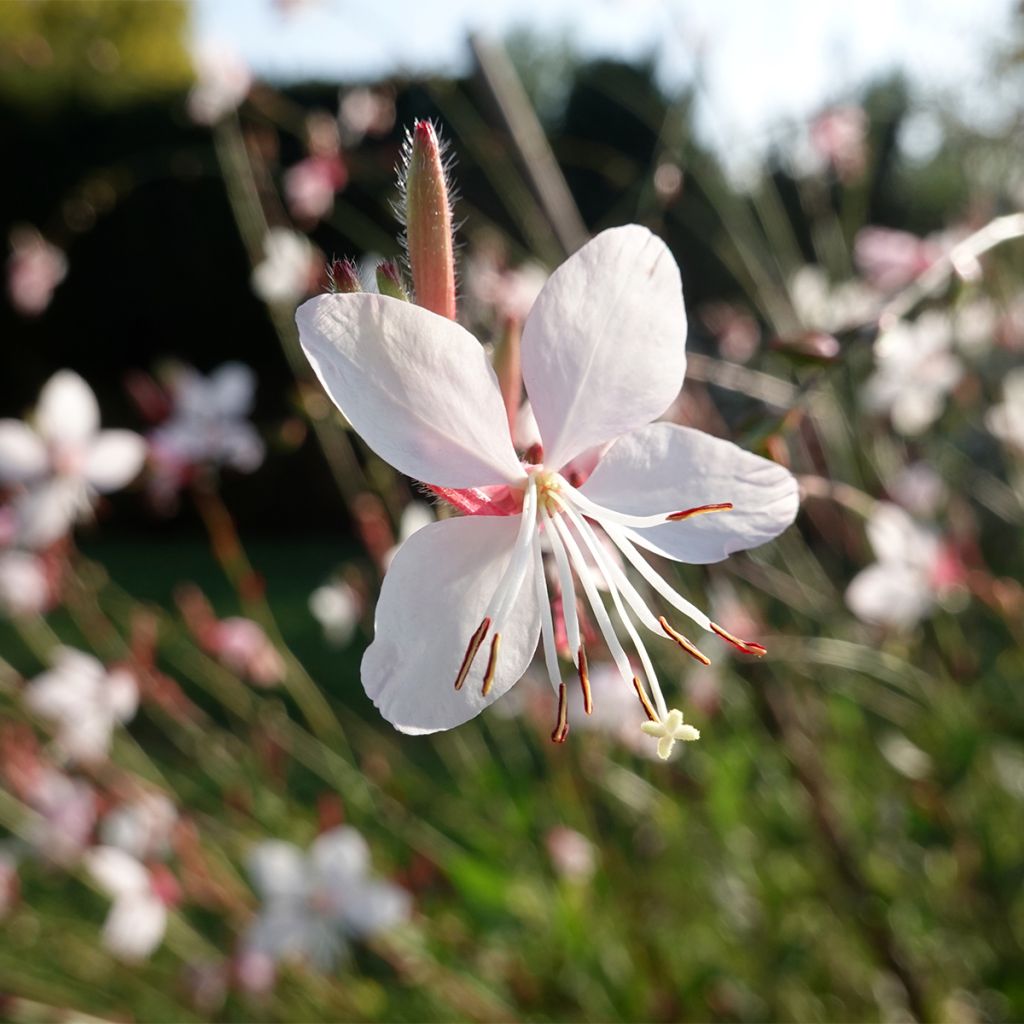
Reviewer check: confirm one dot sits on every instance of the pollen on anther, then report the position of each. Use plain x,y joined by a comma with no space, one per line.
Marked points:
746,646
561,729
474,645
687,645
644,699
699,510
588,697
492,663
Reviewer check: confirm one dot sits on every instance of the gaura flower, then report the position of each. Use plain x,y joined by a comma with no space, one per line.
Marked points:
84,701
65,461
288,269
466,601
1006,420
137,920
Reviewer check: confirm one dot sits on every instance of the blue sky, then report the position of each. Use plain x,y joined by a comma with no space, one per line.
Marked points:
763,61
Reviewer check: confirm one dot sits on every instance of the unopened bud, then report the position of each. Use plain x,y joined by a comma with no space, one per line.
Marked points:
389,280
428,222
343,277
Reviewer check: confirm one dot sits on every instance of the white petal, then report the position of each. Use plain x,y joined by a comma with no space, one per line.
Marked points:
417,387
116,872
279,870
48,511
896,538
374,907
890,595
67,413
114,459
121,694
667,468
232,387
339,857
135,926
24,587
433,599
85,738
604,347
22,453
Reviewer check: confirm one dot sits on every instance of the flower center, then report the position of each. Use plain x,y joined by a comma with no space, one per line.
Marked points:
561,523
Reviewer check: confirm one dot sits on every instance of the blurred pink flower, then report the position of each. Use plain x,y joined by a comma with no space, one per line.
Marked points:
839,138
62,463
573,855
67,810
914,569
311,184
507,292
314,901
222,81
244,647
34,269
141,827
364,112
24,584
135,926
891,259
84,702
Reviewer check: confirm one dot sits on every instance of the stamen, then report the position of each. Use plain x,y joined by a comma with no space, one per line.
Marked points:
686,645
625,545
572,622
644,699
511,581
474,645
588,697
547,626
561,730
492,663
746,646
699,510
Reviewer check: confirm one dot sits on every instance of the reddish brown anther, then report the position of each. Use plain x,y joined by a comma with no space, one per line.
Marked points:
699,510
644,699
474,645
561,731
746,646
588,697
492,663
681,640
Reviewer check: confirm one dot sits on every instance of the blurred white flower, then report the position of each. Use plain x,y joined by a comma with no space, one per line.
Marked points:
66,809
494,289
222,81
61,464
84,702
366,112
311,185
244,647
141,827
135,926
24,584
891,259
1006,420
839,139
919,489
337,606
314,901
207,425
830,308
913,570
915,369
976,324
573,855
34,269
286,273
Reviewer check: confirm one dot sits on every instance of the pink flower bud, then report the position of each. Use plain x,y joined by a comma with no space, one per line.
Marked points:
428,222
343,276
389,280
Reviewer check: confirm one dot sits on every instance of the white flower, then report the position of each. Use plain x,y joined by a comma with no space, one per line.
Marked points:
65,461
24,585
314,901
222,82
34,269
915,369
142,827
244,647
138,917
286,272
572,854
900,589
832,308
603,354
337,606
84,702
67,813
208,423
1006,420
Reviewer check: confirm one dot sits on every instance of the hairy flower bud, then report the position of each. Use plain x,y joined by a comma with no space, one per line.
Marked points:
343,277
389,280
428,222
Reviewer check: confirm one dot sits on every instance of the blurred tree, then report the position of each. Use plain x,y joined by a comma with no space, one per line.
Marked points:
102,52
